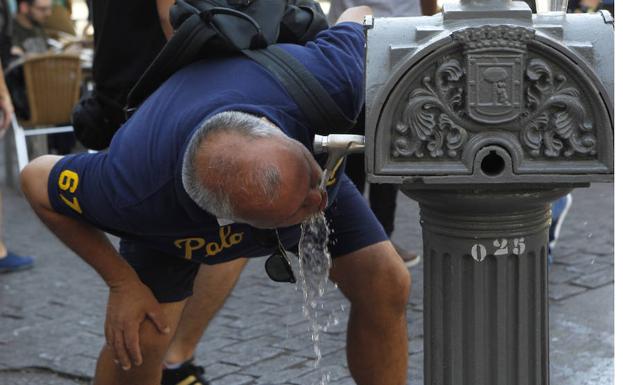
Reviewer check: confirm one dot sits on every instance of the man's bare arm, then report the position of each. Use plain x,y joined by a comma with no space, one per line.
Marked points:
163,12
355,14
130,302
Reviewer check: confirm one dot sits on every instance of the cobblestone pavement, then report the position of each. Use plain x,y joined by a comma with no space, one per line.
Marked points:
51,317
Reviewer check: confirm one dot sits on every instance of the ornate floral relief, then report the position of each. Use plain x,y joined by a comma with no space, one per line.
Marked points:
425,128
490,84
556,121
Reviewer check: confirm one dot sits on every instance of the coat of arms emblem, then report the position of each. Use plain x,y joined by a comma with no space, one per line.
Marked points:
495,57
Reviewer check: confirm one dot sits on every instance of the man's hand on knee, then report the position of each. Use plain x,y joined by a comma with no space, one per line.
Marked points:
130,303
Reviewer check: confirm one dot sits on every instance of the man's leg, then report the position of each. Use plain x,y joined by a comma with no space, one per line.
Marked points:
153,347
383,204
213,285
377,283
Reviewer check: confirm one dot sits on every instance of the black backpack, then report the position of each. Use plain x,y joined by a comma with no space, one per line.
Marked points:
210,28
213,28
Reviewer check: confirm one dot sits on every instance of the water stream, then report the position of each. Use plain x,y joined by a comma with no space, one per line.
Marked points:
314,265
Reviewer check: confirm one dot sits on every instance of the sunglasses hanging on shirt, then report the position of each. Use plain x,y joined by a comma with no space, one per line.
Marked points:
278,266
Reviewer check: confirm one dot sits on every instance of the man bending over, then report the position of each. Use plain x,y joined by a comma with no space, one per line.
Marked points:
222,141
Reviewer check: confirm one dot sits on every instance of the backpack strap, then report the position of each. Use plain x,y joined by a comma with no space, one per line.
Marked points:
311,97
183,48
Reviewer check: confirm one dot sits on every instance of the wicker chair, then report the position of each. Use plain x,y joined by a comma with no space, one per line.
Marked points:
52,88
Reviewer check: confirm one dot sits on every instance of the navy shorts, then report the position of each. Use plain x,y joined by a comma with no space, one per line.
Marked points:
171,278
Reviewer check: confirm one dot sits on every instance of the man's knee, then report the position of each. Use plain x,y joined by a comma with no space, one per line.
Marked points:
374,277
391,285
153,343
153,348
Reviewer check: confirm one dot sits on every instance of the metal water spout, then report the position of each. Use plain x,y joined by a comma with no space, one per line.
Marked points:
337,146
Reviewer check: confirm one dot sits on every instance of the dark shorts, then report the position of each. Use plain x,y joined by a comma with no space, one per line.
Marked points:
353,226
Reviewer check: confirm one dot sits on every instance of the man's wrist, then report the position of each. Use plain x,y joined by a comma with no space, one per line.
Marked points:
121,278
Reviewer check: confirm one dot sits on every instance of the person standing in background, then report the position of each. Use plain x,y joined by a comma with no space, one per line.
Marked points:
9,261
128,35
382,196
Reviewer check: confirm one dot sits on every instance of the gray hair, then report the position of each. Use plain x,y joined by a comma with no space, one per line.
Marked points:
215,198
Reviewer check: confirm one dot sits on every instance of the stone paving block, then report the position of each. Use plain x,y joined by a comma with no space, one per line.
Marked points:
326,347
205,357
52,311
594,266
337,357
416,346
297,343
31,377
336,326
603,246
561,274
346,381
302,329
334,373
77,365
9,322
415,327
223,320
582,344
269,340
415,373
234,379
562,291
291,317
283,376
248,354
239,309
217,342
257,319
218,370
595,280
275,364
575,259
254,331
221,331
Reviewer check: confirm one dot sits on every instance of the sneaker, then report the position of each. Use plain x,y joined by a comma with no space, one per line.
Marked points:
187,374
560,208
410,258
14,262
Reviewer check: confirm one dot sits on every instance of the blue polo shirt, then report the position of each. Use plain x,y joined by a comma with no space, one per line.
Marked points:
134,189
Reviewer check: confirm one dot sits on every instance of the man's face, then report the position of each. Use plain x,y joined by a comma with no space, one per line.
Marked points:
299,197
39,11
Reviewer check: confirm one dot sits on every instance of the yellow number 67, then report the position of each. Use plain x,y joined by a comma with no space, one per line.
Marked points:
68,181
